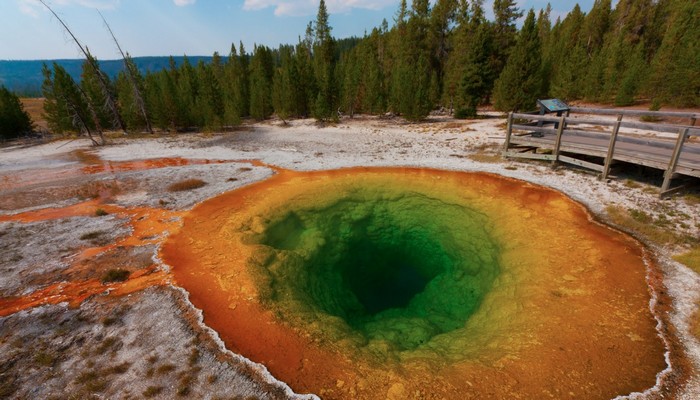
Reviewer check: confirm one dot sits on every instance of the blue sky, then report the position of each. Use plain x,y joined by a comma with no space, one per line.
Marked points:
192,27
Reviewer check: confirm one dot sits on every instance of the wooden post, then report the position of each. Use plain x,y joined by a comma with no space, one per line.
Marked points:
692,121
668,175
509,132
557,144
611,148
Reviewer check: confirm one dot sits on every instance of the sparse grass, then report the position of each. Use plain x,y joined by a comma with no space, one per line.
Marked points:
632,184
194,357
92,235
119,368
691,259
109,321
165,369
486,158
152,391
187,184
650,118
183,390
45,359
184,384
639,215
692,198
695,324
86,157
115,275
640,222
7,389
100,212
110,344
92,381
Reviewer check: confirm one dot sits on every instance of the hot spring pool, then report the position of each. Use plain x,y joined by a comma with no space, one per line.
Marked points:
416,283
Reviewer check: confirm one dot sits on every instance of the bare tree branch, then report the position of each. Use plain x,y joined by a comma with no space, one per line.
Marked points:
140,103
112,104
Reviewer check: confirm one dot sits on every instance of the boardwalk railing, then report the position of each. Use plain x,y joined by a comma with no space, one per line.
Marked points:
588,137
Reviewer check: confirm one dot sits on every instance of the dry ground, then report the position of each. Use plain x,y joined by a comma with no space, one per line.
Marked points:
145,339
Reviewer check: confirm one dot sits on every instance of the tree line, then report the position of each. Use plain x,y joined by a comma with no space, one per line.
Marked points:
448,55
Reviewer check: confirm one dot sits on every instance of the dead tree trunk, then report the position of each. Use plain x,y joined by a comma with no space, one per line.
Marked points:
95,118
140,103
111,102
79,121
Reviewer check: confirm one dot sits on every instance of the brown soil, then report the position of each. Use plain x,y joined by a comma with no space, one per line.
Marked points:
35,108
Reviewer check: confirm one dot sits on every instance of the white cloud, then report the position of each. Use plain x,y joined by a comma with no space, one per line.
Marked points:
310,7
181,3
28,7
101,4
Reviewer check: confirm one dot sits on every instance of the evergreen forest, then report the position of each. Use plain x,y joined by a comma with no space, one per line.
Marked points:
442,56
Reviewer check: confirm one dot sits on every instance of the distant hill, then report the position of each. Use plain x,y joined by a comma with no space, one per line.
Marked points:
24,76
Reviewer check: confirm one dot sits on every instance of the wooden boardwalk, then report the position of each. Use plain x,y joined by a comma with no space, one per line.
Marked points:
584,137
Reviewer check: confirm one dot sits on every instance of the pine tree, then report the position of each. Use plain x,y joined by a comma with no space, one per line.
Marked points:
399,59
261,71
624,59
71,111
14,121
127,103
306,83
442,25
373,77
476,46
92,85
506,14
675,74
350,70
520,83
235,86
324,66
596,25
411,72
163,97
74,109
243,80
187,93
55,109
634,74
568,57
285,84
209,101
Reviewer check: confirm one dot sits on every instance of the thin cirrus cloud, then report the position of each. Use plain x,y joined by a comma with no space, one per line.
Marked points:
32,7
309,7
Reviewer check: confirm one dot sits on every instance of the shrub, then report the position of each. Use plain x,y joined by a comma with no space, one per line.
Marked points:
187,184
14,121
100,212
165,369
115,275
91,235
152,391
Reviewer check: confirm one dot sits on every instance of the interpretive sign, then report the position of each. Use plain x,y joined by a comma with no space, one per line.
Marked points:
552,105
